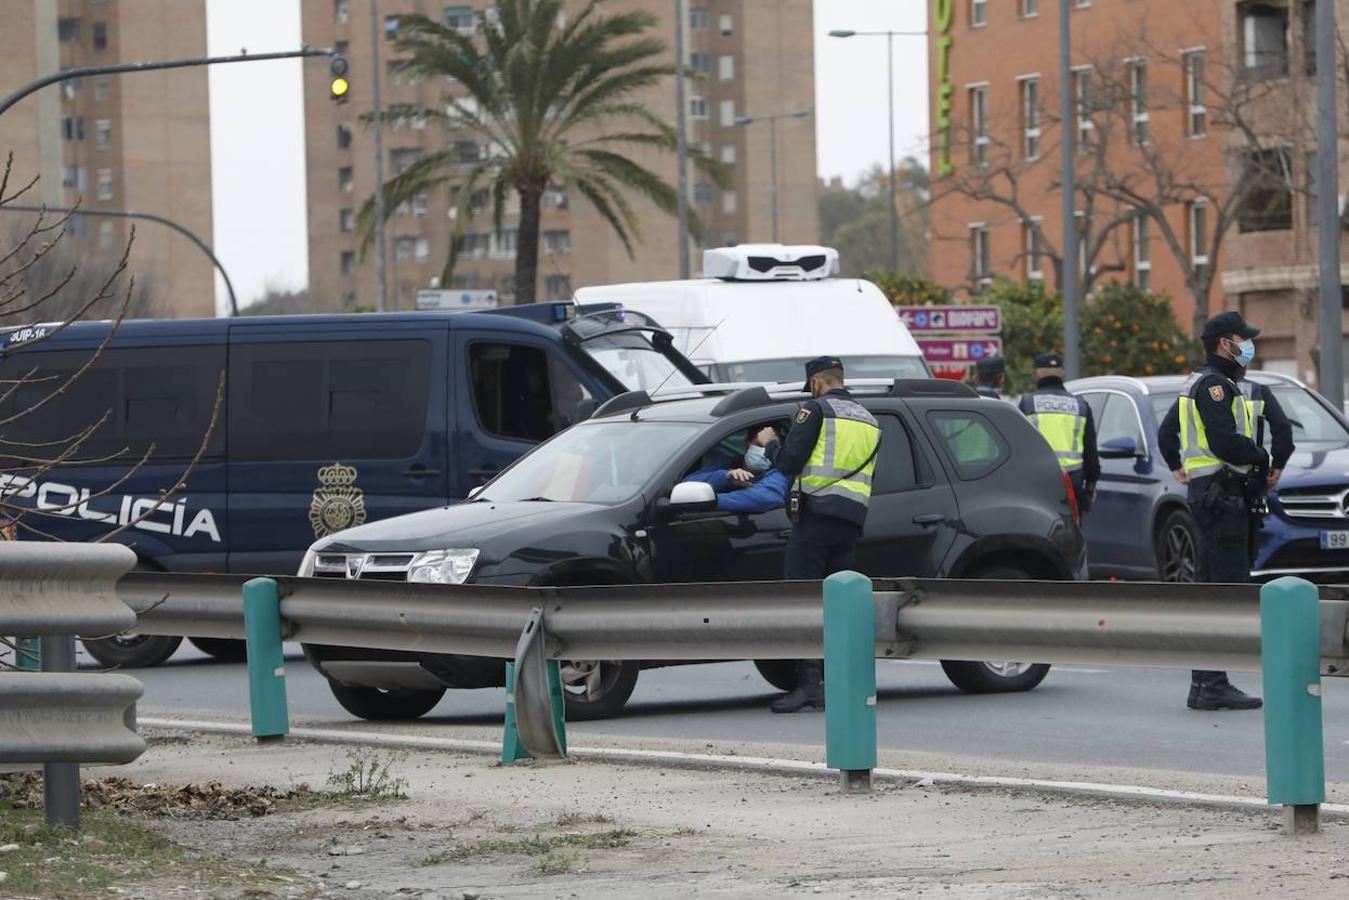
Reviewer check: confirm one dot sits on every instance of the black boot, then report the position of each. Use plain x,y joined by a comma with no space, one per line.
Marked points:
1212,691
809,692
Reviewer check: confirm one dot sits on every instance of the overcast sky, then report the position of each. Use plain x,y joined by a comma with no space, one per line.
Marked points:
257,123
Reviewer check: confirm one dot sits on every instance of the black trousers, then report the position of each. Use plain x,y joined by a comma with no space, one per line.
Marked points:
1223,550
818,547
1080,492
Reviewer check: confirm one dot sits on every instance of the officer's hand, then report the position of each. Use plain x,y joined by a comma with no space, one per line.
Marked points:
1273,481
1180,476
765,436
740,476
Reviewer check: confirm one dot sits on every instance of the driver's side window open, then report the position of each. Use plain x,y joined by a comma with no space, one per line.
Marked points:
729,450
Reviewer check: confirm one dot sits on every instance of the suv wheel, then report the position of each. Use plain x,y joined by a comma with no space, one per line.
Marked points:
996,677
780,673
597,688
223,649
1176,549
389,706
132,651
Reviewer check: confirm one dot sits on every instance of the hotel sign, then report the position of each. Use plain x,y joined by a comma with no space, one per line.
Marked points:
942,14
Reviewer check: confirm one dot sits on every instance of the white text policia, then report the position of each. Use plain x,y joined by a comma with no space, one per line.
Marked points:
145,513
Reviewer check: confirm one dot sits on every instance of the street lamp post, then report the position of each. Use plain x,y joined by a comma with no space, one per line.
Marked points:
745,121
381,279
681,142
890,83
1072,356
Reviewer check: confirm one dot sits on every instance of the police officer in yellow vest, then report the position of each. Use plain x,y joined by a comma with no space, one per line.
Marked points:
1067,424
830,456
1218,455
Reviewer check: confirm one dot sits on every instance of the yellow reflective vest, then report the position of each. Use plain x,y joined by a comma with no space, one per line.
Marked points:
1062,420
1196,456
836,480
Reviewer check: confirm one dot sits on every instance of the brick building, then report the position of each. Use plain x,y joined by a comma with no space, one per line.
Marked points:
1155,84
755,58
119,142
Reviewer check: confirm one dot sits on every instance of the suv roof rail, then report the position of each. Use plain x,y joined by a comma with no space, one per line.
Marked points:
743,399
622,403
931,387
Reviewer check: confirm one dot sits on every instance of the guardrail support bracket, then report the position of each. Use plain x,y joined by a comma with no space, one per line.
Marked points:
850,678
1290,650
535,712
266,662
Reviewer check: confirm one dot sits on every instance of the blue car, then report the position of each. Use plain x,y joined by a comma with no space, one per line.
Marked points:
1140,526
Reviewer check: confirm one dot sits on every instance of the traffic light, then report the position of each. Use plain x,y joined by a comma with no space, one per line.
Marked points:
338,87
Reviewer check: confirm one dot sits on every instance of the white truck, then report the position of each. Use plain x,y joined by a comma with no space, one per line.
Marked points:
762,310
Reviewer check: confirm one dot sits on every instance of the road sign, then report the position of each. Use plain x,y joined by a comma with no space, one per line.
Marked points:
951,319
959,351
463,301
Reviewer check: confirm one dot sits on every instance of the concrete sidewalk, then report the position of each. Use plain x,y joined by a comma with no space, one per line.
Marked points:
600,830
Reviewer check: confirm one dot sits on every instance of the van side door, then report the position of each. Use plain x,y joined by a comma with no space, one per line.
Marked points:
328,431
511,391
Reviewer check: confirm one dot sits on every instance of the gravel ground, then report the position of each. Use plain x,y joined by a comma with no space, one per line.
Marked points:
585,829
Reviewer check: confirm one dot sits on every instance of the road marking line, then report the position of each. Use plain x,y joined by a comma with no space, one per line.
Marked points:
749,763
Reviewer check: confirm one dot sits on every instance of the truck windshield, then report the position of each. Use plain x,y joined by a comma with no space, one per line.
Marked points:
599,462
792,369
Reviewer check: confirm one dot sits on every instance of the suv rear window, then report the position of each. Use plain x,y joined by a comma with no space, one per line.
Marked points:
971,441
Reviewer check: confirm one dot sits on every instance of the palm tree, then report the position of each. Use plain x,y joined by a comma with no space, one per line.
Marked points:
553,102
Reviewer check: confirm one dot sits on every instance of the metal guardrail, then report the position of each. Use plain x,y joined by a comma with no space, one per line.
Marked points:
63,588
68,719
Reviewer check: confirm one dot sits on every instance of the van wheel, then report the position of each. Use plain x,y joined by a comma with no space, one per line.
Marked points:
1176,548
223,649
996,677
132,651
780,673
379,705
597,688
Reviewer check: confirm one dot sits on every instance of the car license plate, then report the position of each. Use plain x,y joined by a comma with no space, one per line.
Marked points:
1335,540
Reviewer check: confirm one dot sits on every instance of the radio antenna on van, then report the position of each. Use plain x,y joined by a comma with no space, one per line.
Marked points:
673,368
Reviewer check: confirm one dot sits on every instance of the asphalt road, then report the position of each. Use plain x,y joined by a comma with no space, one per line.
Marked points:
1133,718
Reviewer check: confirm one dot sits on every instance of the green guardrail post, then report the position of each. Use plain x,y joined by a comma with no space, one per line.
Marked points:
850,679
511,748
28,654
1290,653
266,663
558,703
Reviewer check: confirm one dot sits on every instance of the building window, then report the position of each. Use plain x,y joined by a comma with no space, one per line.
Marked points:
344,179
1035,249
70,88
557,241
1308,12
341,11
728,154
1081,4
981,269
68,31
727,25
702,194
343,137
728,202
698,107
100,35
391,27
978,13
1268,184
402,249
420,201
103,134
1197,215
1142,252
698,19
726,67
507,242
75,178
105,235
1082,93
105,184
465,151
1030,117
1196,114
461,19
558,287
554,199
403,158
72,128
348,263
700,62
1030,8
101,85
979,125
473,244
1138,101
727,113
421,250
1263,32
346,220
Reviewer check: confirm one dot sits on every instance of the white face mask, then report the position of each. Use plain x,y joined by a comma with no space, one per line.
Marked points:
756,460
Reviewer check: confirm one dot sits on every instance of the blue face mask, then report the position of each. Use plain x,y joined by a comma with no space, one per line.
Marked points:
1245,353
756,460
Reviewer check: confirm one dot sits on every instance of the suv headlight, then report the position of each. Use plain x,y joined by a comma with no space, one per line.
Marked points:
307,564
442,566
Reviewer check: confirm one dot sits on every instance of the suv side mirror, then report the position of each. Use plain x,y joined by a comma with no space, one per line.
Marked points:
692,497
1120,448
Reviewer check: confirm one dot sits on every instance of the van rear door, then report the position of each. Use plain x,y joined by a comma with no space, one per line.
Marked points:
329,429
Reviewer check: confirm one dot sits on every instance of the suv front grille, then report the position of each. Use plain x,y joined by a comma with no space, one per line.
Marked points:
364,566
1314,503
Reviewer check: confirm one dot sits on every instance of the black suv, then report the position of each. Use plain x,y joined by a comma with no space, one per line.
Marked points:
964,487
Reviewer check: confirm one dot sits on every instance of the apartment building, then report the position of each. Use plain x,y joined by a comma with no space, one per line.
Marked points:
117,142
753,58
1155,87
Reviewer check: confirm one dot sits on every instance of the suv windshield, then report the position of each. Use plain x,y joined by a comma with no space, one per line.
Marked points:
601,462
1312,422
791,369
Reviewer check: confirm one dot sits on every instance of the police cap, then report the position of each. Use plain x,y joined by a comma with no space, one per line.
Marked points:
1226,323
991,367
1049,361
821,364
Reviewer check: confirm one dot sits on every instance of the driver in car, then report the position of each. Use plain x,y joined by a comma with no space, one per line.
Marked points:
753,486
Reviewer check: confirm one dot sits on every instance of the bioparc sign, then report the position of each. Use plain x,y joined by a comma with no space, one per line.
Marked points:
942,14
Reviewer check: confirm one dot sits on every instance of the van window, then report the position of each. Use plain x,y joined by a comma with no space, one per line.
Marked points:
972,442
524,393
342,400
137,397
895,468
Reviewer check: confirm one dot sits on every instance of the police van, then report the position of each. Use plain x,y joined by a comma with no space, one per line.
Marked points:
321,423
762,310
